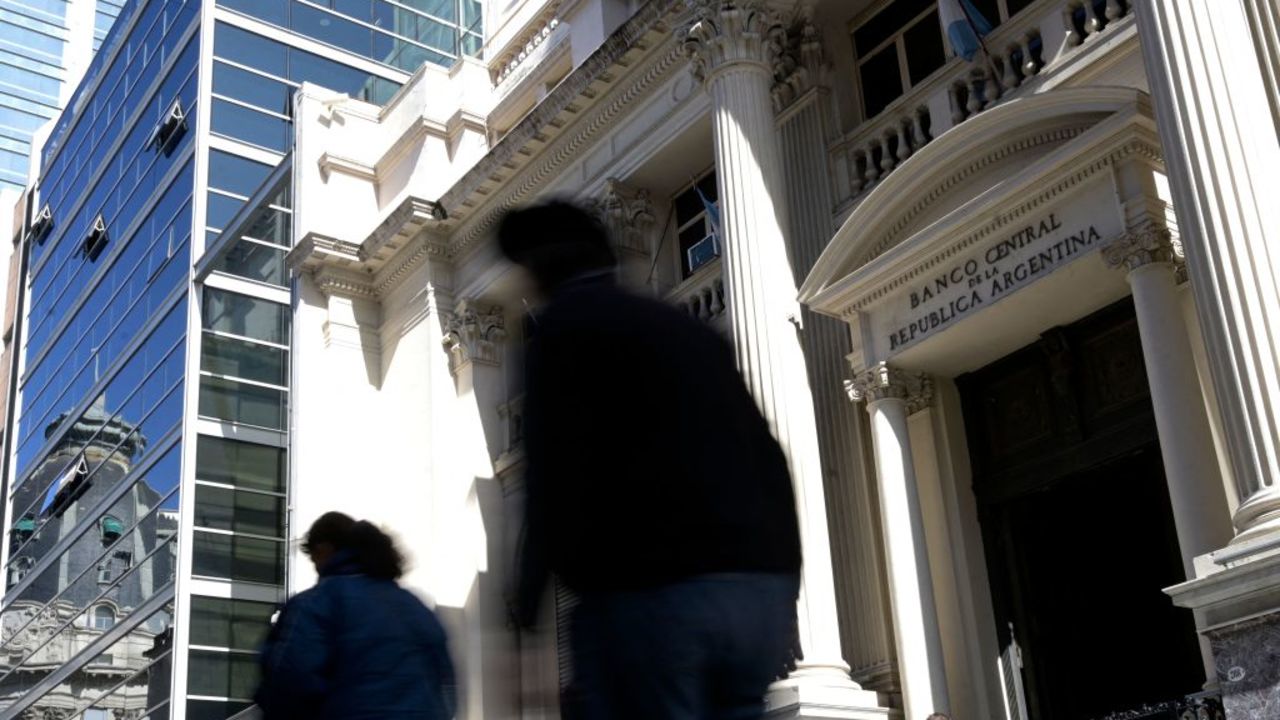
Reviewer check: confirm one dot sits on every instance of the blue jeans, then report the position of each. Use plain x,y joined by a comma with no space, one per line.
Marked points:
706,647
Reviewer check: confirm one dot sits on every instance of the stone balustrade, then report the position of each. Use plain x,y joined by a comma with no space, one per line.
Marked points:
1018,53
702,295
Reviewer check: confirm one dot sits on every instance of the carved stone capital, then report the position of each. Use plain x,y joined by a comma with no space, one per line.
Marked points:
1140,247
800,64
474,334
729,32
882,382
628,214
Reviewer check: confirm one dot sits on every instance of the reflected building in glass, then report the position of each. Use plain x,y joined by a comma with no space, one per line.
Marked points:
45,46
145,466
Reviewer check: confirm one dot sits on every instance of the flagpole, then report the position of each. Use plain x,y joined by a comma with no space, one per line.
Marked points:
982,43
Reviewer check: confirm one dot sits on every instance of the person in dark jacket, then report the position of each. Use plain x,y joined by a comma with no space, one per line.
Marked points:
356,645
655,491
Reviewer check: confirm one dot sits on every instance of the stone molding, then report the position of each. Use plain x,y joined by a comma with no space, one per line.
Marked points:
628,214
1136,248
725,33
337,281
476,201
474,334
881,382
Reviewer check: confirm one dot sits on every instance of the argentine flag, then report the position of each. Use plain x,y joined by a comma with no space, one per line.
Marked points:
959,29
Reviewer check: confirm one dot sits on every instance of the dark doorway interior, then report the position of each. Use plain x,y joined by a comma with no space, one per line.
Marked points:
1076,522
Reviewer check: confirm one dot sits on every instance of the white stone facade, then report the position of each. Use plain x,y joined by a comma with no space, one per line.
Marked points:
873,259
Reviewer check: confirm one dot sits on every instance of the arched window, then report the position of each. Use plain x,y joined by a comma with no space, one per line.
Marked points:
103,617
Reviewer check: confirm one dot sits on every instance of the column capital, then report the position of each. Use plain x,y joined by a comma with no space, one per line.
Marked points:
801,62
628,214
1144,246
473,334
881,382
724,33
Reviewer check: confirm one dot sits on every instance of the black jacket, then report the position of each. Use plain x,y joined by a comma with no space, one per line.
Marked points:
648,460
355,646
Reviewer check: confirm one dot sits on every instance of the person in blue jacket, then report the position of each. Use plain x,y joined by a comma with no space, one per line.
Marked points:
357,645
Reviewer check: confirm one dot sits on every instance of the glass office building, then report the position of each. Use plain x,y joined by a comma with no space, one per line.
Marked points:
146,481
44,44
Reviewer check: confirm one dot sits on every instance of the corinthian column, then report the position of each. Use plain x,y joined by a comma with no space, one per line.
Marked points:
732,47
891,396
1186,441
1221,149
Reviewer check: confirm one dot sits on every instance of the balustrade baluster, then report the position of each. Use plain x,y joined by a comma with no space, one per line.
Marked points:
1114,10
958,113
904,140
856,179
717,298
976,85
1029,64
1092,23
1069,21
872,170
1011,78
886,154
917,127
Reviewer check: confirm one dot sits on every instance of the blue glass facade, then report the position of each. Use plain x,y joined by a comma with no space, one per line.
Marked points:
147,483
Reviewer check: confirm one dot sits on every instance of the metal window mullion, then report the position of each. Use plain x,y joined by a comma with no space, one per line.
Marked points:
237,488
244,381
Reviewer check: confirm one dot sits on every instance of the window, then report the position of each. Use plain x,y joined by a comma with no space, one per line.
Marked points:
245,316
242,464
231,624
103,617
696,227
895,49
235,557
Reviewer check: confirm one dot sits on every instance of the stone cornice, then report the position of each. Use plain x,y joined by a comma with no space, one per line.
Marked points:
375,267
330,163
532,150
882,382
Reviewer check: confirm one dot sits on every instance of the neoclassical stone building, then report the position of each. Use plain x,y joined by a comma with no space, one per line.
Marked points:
1013,319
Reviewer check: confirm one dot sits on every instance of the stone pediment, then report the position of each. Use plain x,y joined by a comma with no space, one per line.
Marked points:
970,177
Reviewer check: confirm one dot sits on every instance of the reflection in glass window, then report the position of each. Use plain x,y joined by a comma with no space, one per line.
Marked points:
233,624
239,358
245,316
255,261
242,402
235,557
103,617
240,511
242,464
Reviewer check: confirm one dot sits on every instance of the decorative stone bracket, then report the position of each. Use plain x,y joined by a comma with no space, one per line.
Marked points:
882,382
474,335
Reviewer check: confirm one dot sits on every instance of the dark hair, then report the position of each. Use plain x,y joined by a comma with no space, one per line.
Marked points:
938,716
373,550
556,241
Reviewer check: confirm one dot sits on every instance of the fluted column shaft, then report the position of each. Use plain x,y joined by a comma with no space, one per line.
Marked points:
851,505
890,394
1221,149
730,49
1186,440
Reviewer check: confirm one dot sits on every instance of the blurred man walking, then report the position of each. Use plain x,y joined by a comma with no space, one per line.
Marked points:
654,490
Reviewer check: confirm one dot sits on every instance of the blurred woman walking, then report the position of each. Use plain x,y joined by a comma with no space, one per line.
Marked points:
357,645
